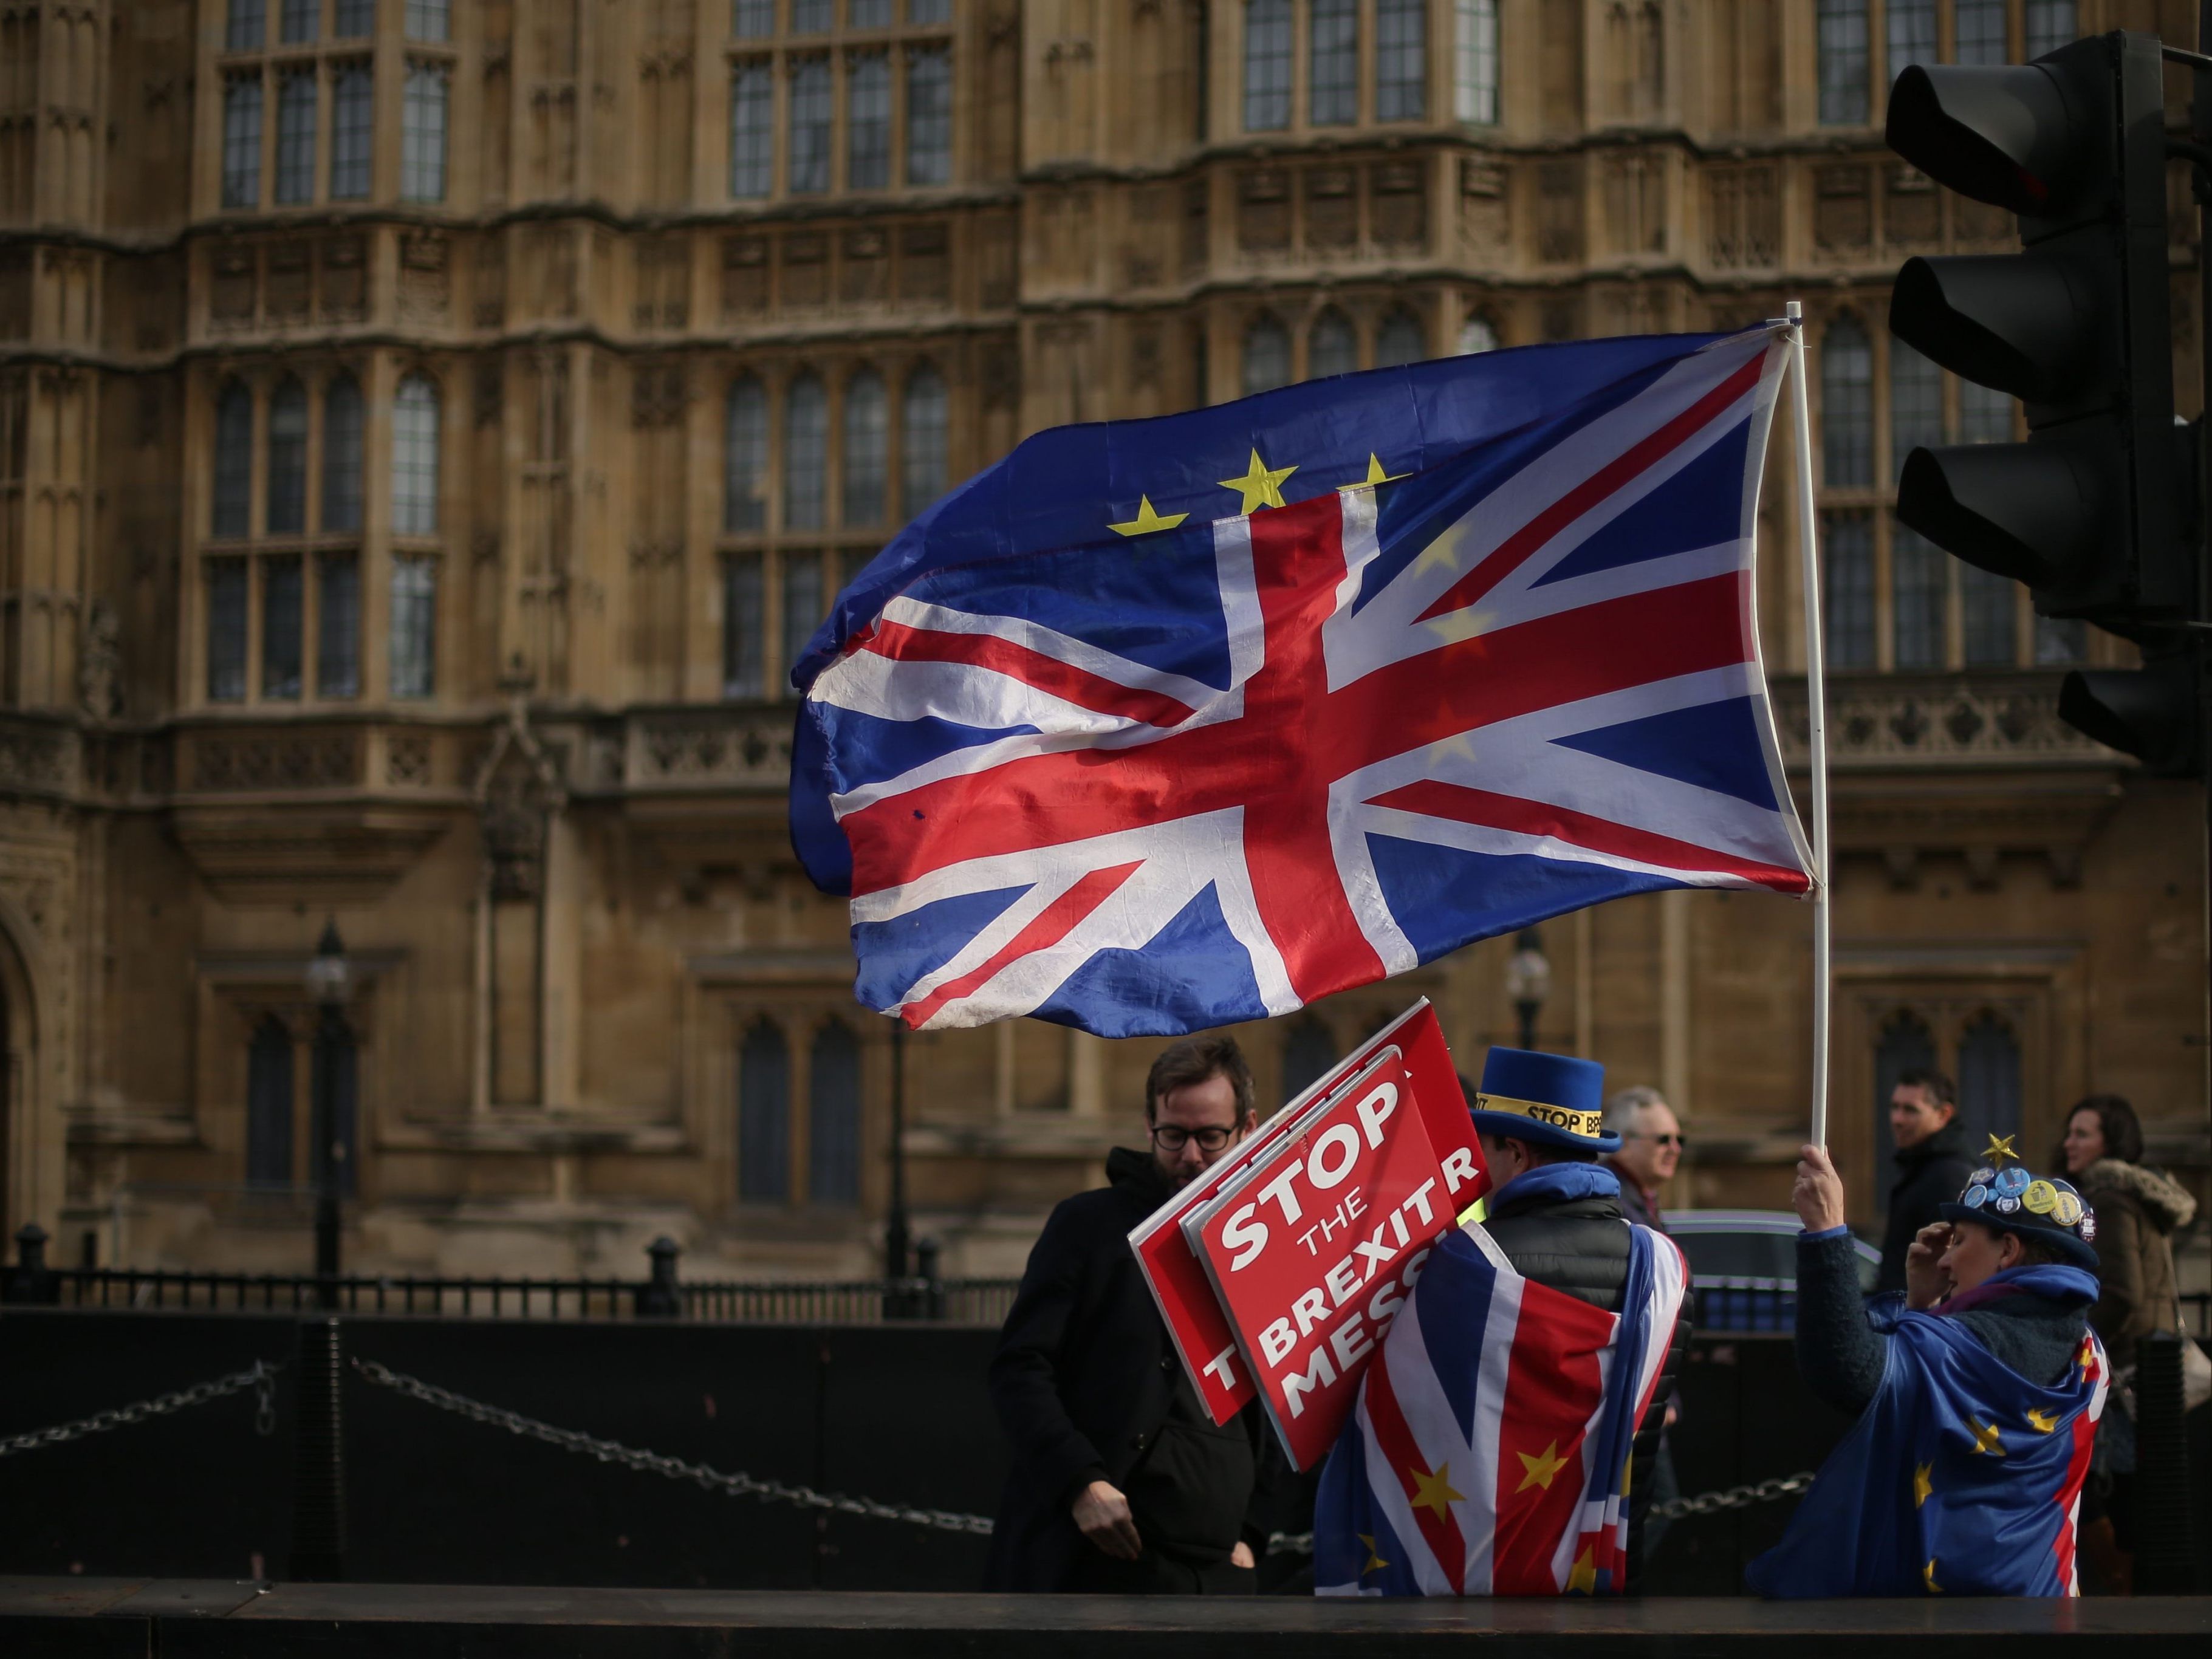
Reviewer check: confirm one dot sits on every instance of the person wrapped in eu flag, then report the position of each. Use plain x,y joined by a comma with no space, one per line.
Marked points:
1978,1394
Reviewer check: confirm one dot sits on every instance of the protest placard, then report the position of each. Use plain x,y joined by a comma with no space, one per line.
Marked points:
1187,1301
1312,1246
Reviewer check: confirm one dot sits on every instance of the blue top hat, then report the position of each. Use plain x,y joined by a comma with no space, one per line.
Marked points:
2011,1200
1547,1100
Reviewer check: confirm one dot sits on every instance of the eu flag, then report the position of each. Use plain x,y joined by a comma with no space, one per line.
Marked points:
1960,1479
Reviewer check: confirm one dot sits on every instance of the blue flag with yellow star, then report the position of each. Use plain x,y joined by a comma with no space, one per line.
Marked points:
1961,1478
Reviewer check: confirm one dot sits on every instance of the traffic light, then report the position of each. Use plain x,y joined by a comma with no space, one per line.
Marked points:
2151,712
2095,513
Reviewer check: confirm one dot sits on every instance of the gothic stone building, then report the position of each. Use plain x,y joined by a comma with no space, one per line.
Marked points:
428,427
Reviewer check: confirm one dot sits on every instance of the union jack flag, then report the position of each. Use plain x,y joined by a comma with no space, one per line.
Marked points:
1496,662
1488,1451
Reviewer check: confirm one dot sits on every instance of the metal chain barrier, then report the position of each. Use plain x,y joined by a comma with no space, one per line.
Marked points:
1736,1498
609,1451
1705,1503
261,1377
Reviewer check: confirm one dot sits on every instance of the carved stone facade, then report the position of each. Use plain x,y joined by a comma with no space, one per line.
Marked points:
422,449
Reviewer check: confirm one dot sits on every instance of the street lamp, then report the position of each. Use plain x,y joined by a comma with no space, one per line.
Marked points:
330,980
1528,981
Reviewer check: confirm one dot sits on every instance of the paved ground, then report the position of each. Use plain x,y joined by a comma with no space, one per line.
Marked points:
178,1618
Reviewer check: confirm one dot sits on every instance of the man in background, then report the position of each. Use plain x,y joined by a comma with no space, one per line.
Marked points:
1933,1165
1651,1142
1120,1479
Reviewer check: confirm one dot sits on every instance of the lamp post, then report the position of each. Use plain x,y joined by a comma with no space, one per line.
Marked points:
330,980
898,1234
1528,981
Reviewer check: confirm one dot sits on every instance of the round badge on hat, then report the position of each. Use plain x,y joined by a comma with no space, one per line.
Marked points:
2066,1210
2006,1205
2041,1198
1974,1197
1982,1176
2011,1183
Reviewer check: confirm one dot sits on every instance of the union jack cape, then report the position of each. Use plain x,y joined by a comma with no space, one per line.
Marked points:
1160,725
1488,1451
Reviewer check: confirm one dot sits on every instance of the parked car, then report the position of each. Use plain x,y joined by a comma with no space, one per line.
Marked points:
1743,1266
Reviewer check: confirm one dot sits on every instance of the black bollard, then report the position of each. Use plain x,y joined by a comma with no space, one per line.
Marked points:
660,1297
318,1455
2166,1563
30,1280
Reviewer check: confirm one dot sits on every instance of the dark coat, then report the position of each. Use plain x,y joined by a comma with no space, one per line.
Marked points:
1930,1173
1633,1203
1579,1245
2138,1211
1084,1381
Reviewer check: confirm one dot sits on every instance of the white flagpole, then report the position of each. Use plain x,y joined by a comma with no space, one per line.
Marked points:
1816,722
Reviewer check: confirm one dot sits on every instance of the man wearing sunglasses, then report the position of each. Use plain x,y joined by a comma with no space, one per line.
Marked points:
1121,1481
1651,1142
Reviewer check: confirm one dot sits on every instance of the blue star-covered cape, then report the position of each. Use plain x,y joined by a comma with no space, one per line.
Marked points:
1960,1479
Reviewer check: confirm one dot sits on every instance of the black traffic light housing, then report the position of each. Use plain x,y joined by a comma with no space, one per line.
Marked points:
2151,712
2094,512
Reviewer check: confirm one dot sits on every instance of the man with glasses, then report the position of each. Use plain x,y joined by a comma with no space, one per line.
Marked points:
1651,1142
1121,1481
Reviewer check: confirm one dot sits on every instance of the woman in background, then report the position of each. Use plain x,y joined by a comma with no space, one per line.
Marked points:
2138,1210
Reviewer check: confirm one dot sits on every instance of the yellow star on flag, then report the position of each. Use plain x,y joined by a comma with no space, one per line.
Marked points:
1922,1488
1261,486
1374,1561
1928,1578
1985,1436
1433,1491
1376,475
2088,1361
1999,1149
2042,1422
1148,520
1581,1578
1542,1469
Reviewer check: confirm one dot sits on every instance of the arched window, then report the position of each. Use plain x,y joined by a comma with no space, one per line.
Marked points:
744,458
1840,28
1475,69
1402,339
1846,406
1916,404
806,453
415,458
1267,355
1981,32
1984,415
867,449
1919,587
336,1080
233,507
1991,617
1266,65
1911,34
1332,348
1989,1078
342,437
833,1116
269,1105
1847,551
2051,25
1905,1044
1401,59
1333,63
1477,335
288,459
924,441
764,1114
1308,1049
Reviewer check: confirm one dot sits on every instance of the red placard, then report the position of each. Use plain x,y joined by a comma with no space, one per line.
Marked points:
1313,1246
1187,1300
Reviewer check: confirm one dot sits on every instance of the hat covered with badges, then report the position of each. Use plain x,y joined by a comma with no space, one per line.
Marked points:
2004,1195
1547,1100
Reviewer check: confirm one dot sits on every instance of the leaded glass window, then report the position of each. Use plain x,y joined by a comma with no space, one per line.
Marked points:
1266,65
806,453
866,450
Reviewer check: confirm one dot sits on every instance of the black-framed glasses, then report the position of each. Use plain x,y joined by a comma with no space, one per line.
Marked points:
1173,1138
1676,1140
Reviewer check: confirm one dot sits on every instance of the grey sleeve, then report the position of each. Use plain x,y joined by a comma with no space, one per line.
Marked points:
1839,1355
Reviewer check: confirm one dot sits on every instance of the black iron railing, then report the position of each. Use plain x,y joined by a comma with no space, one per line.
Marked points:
660,1295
